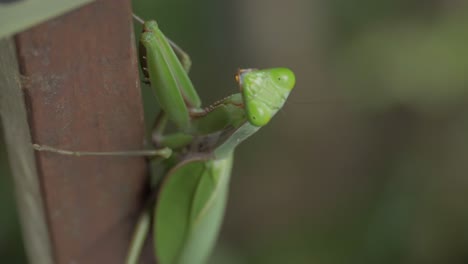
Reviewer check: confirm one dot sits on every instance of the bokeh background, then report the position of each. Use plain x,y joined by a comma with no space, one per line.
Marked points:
368,161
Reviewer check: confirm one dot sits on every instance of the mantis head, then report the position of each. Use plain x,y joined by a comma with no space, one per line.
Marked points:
264,92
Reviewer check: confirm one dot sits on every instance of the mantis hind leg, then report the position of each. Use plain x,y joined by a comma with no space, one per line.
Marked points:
140,235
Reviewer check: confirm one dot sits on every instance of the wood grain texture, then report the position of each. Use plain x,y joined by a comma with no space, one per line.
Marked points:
82,91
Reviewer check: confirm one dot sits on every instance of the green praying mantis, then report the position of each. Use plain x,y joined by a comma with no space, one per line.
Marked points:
195,161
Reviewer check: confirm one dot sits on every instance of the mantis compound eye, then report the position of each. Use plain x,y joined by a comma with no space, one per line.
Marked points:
283,78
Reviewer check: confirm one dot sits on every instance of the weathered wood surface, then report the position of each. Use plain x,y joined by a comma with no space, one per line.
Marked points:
21,156
82,93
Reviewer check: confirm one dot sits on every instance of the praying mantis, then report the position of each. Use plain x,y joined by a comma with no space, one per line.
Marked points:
196,160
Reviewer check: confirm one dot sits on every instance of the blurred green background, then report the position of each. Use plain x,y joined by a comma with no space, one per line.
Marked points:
368,161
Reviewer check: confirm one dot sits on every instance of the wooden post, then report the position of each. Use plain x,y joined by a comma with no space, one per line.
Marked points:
81,86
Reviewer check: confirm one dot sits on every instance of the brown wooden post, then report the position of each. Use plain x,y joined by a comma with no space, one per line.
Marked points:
82,92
